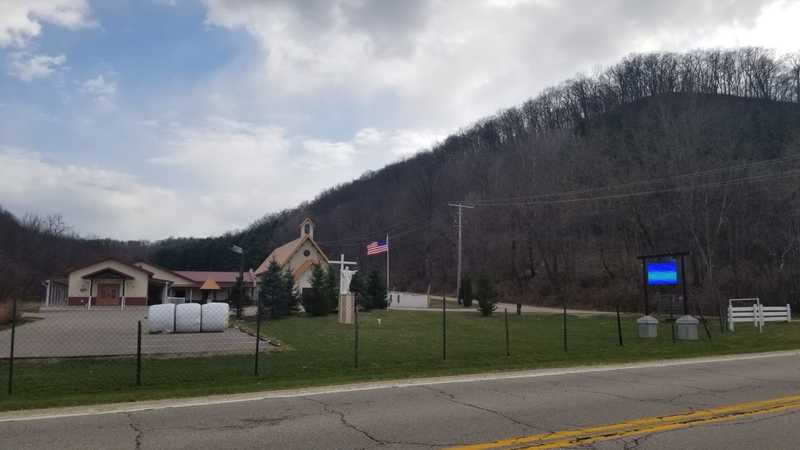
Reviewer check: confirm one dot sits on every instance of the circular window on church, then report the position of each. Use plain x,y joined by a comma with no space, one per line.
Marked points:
306,253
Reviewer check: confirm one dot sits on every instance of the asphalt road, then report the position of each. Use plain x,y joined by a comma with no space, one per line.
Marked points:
432,414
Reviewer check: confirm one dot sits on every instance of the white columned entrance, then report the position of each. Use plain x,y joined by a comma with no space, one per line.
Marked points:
122,295
47,293
91,286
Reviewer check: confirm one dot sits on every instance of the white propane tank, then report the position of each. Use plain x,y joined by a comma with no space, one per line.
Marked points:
215,316
161,318
187,318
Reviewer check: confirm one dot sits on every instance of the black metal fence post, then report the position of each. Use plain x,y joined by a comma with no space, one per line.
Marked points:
703,319
444,327
619,326
11,354
565,325
258,335
355,332
139,353
508,343
673,331
644,288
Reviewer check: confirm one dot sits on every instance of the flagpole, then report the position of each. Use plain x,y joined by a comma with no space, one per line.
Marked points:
387,262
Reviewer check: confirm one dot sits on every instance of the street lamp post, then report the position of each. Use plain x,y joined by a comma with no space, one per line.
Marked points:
240,284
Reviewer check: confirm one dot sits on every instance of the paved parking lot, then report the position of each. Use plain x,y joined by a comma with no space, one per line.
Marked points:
106,332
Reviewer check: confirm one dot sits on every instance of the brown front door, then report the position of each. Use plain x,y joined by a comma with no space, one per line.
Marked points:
107,295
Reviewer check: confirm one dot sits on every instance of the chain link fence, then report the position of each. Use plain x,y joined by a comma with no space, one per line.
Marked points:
115,354
80,346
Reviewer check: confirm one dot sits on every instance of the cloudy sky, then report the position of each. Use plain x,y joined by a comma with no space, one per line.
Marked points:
154,118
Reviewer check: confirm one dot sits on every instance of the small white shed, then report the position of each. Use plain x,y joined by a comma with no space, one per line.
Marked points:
403,300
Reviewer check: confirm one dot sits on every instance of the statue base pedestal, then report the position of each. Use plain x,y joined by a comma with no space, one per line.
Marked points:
346,311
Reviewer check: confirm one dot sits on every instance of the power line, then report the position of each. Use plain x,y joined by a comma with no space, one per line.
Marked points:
733,182
751,165
405,228
554,197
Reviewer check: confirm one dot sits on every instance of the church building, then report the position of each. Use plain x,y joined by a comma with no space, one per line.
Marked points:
298,256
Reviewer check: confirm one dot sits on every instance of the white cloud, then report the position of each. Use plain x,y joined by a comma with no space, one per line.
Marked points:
102,91
21,20
777,28
211,178
333,88
29,67
443,65
249,170
95,200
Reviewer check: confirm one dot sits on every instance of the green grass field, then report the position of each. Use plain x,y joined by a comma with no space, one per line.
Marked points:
319,351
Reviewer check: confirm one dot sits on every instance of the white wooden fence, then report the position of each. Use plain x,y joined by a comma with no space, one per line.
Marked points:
756,313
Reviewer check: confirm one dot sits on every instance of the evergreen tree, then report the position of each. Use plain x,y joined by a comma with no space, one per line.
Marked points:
359,289
376,291
273,293
315,299
332,288
292,294
237,298
487,296
465,291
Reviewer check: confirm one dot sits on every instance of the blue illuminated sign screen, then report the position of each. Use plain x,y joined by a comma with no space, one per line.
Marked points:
663,273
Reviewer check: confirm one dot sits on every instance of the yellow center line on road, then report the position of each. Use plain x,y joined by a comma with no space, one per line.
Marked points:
641,426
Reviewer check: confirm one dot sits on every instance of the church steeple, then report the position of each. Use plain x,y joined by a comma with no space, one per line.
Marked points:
307,228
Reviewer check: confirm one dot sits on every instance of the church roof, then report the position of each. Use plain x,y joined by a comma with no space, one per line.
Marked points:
284,253
281,254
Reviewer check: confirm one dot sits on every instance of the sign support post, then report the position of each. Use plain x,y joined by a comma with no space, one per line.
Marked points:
686,324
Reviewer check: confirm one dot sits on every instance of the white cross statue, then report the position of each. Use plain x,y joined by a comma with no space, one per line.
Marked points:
345,274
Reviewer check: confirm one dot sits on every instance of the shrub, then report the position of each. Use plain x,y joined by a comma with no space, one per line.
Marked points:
465,292
292,295
331,288
376,292
273,293
487,296
316,299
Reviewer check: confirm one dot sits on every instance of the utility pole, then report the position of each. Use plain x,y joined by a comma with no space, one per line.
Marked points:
460,207
388,249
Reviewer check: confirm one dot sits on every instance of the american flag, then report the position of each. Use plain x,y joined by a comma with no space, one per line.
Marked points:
377,247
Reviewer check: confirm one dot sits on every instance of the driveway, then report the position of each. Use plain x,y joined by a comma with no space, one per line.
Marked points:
110,332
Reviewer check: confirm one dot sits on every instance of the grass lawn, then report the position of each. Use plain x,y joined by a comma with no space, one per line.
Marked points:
319,351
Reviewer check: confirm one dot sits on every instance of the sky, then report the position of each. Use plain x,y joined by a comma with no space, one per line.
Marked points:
145,119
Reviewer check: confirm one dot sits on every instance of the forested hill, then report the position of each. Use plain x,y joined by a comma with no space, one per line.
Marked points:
648,117
33,249
572,185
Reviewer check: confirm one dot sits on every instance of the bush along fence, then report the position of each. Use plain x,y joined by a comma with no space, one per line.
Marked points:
110,354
